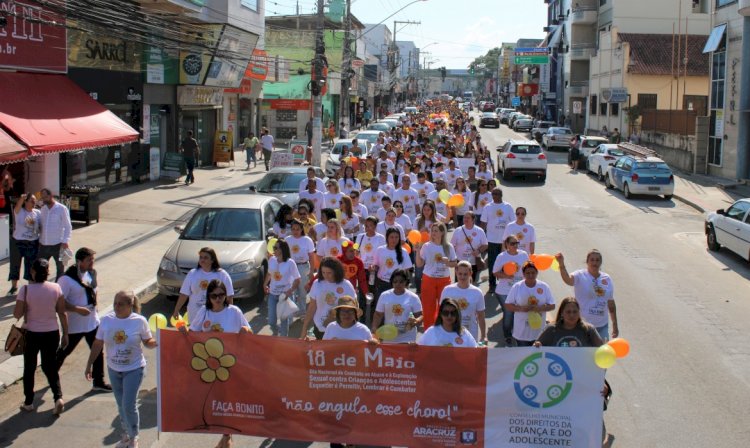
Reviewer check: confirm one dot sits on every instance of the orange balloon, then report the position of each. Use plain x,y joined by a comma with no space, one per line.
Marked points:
621,347
532,257
544,261
510,268
414,236
425,236
407,248
456,200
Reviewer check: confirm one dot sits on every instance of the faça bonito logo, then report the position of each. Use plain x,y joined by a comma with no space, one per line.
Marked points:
543,380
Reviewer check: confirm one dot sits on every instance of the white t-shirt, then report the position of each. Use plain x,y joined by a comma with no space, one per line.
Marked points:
300,248
439,205
525,234
461,241
367,247
423,189
387,262
382,212
388,188
593,295
450,177
123,340
357,332
497,217
372,200
470,301
504,284
319,184
361,210
318,199
484,200
410,199
436,336
320,231
431,253
282,275
349,186
326,295
332,200
405,222
228,320
485,175
351,224
282,233
388,162
75,295
382,228
396,309
195,284
522,295
26,226
330,248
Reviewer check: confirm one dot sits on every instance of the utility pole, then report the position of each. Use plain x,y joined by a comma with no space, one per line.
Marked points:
317,69
346,68
394,53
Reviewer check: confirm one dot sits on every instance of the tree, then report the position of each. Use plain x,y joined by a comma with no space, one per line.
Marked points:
486,66
632,114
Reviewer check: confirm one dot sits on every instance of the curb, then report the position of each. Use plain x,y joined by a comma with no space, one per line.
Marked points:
11,370
689,203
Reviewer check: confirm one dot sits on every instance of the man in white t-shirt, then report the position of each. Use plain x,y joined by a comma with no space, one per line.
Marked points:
470,242
319,184
452,174
266,142
423,187
315,196
372,198
495,217
408,197
386,186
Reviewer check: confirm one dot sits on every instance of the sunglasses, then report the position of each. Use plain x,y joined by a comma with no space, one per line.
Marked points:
447,313
213,296
514,243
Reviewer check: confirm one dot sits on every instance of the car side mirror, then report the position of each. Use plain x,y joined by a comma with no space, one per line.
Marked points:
721,212
253,189
179,229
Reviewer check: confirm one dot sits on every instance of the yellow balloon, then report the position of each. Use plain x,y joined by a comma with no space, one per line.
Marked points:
174,321
555,265
605,356
535,320
186,319
157,321
338,213
272,242
444,196
387,332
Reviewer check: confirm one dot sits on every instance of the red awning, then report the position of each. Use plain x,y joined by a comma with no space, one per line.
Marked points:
50,113
10,150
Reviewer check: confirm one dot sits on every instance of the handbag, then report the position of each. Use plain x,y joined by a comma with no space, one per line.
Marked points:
286,308
481,264
16,341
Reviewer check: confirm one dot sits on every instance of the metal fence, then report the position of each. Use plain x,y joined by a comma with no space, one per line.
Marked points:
680,122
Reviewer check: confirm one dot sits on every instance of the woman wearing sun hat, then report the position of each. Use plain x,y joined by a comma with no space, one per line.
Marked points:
346,325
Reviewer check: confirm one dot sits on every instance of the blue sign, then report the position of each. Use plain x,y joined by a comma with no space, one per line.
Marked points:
515,101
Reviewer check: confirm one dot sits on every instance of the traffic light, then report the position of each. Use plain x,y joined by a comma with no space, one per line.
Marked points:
471,70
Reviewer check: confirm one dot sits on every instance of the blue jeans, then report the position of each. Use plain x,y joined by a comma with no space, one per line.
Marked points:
125,386
250,156
300,294
603,332
507,318
22,250
283,329
493,250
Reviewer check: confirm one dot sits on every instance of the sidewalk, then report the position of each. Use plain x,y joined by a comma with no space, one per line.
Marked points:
135,229
707,193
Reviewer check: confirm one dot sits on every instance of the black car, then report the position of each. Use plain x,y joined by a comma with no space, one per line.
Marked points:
489,119
284,182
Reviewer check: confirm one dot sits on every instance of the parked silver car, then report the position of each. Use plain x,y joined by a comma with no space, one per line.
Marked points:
235,226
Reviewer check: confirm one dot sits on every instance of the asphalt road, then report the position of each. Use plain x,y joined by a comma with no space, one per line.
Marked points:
683,309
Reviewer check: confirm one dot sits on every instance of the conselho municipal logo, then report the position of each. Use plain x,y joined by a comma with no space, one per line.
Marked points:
543,380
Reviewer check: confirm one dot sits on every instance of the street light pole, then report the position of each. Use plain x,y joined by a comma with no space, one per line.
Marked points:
395,53
317,68
346,67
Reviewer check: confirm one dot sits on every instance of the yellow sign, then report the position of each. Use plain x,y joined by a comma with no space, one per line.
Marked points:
194,62
223,147
92,50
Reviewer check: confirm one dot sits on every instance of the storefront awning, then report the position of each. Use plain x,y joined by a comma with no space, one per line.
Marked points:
50,113
10,150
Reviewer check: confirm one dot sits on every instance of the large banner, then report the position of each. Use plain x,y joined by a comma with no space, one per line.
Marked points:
397,395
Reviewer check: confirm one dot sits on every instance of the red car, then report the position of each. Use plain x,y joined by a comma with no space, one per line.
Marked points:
489,106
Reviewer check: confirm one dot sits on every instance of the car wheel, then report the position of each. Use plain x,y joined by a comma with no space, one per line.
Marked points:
711,241
588,167
668,197
506,176
543,178
607,183
626,191
600,175
259,293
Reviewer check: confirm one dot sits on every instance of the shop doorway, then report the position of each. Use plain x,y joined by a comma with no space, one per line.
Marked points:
203,124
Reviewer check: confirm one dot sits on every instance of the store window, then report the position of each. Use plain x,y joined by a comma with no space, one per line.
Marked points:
603,109
592,104
647,101
614,109
716,126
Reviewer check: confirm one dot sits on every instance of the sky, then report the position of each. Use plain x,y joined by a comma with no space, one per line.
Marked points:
460,29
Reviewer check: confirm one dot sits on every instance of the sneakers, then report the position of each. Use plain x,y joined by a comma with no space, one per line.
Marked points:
59,407
103,387
27,407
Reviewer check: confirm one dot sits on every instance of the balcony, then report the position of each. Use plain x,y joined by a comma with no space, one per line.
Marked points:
584,15
582,52
578,88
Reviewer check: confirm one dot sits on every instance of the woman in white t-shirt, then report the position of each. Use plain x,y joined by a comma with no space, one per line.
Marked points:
349,183
468,195
350,221
388,258
400,307
523,231
281,281
193,290
325,292
24,240
435,257
221,317
333,195
401,218
122,334
448,330
282,226
330,245
525,298
481,197
483,173
303,254
470,300
346,325
517,257
390,223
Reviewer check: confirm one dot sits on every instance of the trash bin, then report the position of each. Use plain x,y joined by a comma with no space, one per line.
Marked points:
83,202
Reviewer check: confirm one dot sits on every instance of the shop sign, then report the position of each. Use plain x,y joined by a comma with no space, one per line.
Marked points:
528,89
228,71
194,63
33,38
199,96
290,104
160,66
615,94
258,66
91,50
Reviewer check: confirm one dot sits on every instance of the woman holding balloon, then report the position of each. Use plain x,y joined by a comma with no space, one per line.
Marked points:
435,257
569,329
507,271
529,300
399,307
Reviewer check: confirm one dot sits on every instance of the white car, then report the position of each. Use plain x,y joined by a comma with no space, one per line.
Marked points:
587,144
730,228
333,163
602,158
557,137
522,157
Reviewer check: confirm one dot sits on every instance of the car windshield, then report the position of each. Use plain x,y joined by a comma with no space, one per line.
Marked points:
280,183
615,152
588,143
661,166
370,138
560,131
489,114
525,149
379,127
225,224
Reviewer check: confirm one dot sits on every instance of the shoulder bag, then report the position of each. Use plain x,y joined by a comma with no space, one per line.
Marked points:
481,264
16,342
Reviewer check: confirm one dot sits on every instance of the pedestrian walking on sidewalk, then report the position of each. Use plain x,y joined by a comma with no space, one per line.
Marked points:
193,290
41,304
24,242
79,287
55,230
250,145
266,141
191,153
123,334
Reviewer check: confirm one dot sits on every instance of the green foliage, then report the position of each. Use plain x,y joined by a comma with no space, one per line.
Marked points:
485,66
